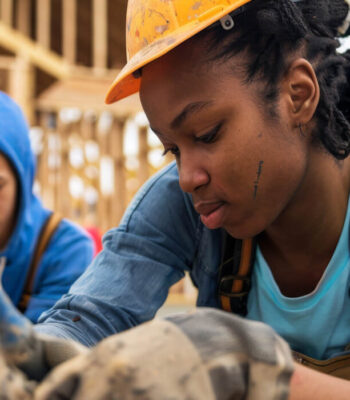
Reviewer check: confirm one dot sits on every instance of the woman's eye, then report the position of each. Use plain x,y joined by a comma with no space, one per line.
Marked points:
173,150
209,137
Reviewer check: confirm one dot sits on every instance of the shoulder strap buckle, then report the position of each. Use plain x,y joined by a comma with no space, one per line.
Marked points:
235,272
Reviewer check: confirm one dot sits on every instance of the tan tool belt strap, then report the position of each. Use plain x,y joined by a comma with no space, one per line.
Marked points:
337,366
46,233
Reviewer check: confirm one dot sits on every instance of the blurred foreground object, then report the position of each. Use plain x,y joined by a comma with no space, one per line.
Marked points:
22,348
207,354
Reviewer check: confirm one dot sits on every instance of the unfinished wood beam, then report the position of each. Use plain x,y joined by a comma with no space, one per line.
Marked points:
88,130
83,130
6,62
23,17
69,29
100,34
143,155
43,23
118,200
7,11
63,195
43,161
21,86
17,43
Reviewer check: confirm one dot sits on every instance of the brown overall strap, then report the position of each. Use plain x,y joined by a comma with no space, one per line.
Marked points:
46,233
234,274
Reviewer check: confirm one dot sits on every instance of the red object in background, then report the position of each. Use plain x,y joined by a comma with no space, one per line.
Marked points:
96,236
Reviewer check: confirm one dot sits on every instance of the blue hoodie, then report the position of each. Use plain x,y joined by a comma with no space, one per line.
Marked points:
69,251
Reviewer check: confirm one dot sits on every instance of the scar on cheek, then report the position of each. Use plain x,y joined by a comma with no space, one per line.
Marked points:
257,180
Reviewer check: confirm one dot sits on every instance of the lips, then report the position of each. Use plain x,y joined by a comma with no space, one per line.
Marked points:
207,208
211,213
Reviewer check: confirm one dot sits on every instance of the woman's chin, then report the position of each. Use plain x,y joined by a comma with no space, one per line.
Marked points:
246,229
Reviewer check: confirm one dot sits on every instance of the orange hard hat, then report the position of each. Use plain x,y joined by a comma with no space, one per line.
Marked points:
154,27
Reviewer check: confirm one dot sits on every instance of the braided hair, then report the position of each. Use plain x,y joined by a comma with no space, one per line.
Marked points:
269,31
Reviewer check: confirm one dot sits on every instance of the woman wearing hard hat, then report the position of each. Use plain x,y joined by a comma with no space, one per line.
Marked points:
251,97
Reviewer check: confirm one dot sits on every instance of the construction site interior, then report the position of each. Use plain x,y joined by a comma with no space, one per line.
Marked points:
57,60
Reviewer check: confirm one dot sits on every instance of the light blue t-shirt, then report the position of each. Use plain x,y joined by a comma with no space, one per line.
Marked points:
317,324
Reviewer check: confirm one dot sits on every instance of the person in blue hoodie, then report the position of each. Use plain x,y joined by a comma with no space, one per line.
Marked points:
22,217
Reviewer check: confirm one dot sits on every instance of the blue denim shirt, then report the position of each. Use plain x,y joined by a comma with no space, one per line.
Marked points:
159,237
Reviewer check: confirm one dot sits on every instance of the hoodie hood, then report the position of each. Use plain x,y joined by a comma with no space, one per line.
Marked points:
15,145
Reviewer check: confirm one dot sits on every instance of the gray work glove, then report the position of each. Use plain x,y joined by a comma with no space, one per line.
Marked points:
22,367
14,384
25,363
45,353
23,349
207,354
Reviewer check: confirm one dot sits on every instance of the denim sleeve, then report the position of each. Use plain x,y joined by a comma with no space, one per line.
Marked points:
129,280
68,254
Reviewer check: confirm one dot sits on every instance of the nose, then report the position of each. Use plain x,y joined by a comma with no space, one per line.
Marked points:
192,175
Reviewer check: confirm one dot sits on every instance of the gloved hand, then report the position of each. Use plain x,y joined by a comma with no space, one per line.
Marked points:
22,348
208,354
14,384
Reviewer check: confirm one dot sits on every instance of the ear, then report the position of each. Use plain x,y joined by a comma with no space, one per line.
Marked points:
301,92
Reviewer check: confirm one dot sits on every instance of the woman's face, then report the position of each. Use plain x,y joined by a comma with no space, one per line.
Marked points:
241,167
8,200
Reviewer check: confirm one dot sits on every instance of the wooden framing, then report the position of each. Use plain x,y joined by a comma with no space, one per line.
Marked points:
23,16
42,168
100,34
7,11
21,85
104,205
76,86
110,207
43,23
6,62
69,29
143,155
40,57
63,198
116,149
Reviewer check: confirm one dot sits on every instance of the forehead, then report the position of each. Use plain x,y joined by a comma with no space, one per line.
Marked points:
187,74
188,60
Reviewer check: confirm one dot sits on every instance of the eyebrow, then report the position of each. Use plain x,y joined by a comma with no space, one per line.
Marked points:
191,108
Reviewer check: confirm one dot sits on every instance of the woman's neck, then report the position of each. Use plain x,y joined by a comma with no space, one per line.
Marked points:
307,231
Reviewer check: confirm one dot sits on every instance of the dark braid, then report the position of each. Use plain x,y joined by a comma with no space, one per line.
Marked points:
270,31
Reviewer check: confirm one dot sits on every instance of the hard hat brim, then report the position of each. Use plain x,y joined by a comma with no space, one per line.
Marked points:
127,84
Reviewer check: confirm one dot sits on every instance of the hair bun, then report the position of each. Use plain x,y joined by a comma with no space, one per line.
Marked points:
333,14
283,20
